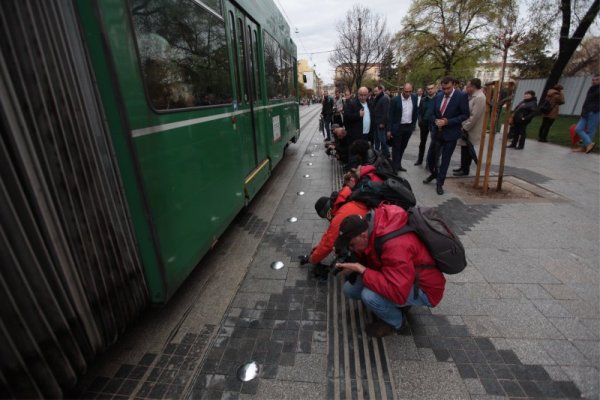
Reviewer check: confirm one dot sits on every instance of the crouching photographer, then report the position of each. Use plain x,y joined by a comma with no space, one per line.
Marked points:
393,277
335,212
339,147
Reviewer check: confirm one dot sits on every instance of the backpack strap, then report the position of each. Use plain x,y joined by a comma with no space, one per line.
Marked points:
379,241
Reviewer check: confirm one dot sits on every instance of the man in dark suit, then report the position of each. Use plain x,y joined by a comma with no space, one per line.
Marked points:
450,109
357,120
402,120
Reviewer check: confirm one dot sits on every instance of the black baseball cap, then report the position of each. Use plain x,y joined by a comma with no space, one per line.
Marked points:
322,206
351,227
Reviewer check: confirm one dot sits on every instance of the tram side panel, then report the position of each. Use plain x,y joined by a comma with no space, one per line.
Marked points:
185,141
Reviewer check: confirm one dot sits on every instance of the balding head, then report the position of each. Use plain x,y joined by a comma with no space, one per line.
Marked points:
407,90
363,93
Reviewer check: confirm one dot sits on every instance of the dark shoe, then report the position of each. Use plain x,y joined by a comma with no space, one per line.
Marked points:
439,190
511,146
543,140
419,162
429,178
457,170
460,173
400,169
379,329
519,148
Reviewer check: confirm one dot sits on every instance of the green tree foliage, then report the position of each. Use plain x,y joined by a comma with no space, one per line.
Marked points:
388,73
531,57
448,34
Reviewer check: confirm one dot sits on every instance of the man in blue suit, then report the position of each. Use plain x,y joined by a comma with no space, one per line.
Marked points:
402,120
450,109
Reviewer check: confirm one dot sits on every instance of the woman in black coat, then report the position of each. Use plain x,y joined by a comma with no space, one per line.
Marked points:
521,117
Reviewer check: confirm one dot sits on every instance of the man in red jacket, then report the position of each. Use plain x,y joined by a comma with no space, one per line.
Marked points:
387,280
336,216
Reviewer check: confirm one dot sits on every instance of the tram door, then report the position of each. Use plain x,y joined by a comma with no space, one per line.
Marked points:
244,43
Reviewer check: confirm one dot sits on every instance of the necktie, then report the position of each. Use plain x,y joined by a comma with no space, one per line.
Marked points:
444,104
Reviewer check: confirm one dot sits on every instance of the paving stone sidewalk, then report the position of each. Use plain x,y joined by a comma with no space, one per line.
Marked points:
522,320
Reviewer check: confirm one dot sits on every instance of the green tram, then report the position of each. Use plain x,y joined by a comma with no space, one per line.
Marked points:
132,134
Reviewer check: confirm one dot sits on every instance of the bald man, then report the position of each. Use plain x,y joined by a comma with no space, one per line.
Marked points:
402,120
357,120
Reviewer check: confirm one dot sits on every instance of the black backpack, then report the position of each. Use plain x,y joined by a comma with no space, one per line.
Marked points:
545,107
383,165
443,245
394,190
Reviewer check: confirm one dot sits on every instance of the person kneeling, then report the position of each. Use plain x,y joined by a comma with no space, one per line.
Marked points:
395,277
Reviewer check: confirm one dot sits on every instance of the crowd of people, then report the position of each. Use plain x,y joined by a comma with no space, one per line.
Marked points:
387,120
387,264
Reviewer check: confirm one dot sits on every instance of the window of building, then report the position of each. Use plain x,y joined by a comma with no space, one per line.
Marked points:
183,53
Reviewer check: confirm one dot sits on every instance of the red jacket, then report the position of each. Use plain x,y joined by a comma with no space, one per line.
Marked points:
370,171
393,275
341,198
325,246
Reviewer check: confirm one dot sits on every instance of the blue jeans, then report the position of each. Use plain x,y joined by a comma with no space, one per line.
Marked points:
382,307
586,127
380,141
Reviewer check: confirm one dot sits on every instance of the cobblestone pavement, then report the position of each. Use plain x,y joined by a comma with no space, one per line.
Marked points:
522,320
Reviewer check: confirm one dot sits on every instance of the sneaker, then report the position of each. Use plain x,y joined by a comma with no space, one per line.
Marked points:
590,147
579,150
379,329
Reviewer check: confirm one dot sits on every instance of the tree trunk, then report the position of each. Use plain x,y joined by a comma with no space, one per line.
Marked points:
568,45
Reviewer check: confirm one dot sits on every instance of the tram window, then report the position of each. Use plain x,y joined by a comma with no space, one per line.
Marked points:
241,50
183,54
272,67
256,72
292,80
234,50
285,73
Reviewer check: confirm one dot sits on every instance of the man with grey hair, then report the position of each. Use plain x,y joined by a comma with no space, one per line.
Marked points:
402,120
357,120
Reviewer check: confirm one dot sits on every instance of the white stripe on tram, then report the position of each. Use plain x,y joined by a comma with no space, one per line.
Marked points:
180,124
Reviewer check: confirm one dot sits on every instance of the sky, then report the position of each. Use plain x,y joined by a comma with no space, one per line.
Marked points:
312,25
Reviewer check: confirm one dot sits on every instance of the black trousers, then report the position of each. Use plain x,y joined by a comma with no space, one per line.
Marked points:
545,128
399,142
465,159
424,130
520,134
440,149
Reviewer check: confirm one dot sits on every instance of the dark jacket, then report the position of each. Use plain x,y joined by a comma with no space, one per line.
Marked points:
352,119
525,111
395,116
327,105
592,101
457,111
393,274
426,110
381,107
